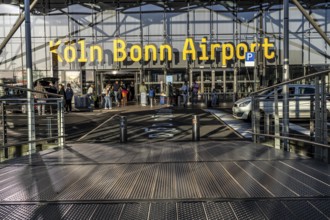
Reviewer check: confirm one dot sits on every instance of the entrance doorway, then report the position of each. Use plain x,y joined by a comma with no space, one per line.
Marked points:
110,77
223,80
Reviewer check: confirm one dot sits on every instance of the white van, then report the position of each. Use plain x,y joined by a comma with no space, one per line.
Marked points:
299,102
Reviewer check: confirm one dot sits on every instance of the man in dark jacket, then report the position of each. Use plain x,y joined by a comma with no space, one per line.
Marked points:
61,91
69,96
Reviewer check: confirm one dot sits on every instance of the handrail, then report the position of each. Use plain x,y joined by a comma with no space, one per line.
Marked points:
27,142
31,90
291,138
291,81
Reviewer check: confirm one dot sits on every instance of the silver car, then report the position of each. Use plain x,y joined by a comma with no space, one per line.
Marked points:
299,102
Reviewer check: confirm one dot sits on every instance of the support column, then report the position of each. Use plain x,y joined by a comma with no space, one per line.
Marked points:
224,83
213,79
165,83
31,115
285,92
202,81
235,85
190,77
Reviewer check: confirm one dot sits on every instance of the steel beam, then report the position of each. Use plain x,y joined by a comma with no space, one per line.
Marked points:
17,24
312,21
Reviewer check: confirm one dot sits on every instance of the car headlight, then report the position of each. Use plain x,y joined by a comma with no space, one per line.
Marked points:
244,104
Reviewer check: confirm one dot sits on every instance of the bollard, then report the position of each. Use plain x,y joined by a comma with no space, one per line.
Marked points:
206,100
179,101
195,128
123,129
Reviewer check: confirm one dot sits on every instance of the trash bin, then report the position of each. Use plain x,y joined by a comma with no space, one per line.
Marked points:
162,100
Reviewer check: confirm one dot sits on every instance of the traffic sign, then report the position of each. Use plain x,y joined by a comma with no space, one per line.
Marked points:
250,59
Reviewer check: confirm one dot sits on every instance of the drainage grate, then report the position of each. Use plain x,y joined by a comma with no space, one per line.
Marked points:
304,210
191,210
133,211
247,210
107,211
162,211
219,210
275,210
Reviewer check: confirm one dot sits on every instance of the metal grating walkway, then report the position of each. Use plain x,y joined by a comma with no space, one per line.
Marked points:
165,180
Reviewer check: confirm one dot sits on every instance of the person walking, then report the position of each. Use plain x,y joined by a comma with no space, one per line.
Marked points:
184,93
61,91
107,102
40,96
115,90
124,94
194,89
90,97
52,89
151,96
214,97
143,92
69,96
131,91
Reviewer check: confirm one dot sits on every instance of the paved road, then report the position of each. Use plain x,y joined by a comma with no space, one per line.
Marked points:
171,124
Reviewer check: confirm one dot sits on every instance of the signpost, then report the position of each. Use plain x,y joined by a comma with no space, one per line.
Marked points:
250,59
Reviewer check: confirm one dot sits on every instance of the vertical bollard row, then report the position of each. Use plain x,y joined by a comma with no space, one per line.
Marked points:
195,128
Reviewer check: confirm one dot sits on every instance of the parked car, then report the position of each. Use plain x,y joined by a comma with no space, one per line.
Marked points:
17,98
299,102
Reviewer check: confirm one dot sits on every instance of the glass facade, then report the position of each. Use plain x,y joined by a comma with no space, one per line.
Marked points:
75,40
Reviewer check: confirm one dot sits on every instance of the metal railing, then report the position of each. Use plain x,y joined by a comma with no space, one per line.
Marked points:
308,116
48,122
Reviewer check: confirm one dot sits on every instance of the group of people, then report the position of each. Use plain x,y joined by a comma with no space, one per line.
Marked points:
185,90
41,96
118,92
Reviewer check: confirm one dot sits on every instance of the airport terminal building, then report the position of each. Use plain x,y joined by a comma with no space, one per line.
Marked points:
233,46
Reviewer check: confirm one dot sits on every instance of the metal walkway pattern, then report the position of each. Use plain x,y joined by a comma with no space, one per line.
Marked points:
165,180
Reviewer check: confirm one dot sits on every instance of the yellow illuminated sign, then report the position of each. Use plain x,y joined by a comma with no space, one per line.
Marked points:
137,53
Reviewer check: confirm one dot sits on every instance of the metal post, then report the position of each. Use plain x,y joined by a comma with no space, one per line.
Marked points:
277,143
31,116
267,121
60,123
318,130
285,92
312,119
324,120
195,128
206,99
49,127
255,117
4,127
123,129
